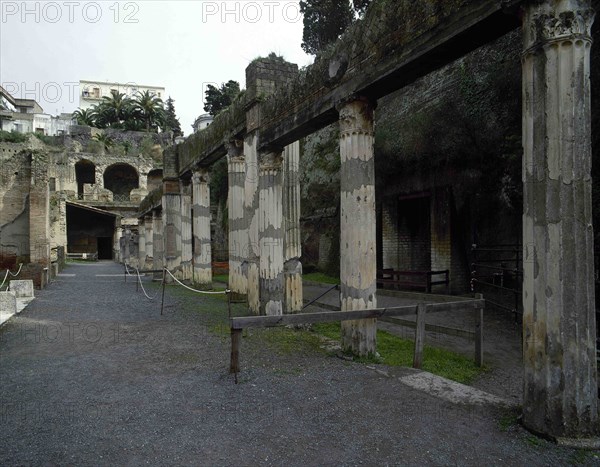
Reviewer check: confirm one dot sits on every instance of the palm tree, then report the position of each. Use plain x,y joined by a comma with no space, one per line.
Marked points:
151,110
107,141
85,117
113,111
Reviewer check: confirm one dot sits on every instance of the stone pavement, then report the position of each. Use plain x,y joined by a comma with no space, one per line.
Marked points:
92,374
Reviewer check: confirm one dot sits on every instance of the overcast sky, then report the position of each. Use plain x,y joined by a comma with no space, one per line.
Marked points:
47,47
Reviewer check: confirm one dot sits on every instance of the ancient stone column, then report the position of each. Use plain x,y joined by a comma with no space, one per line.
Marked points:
141,244
39,213
250,251
186,231
147,262
238,230
291,218
357,224
202,246
559,330
158,243
171,204
270,233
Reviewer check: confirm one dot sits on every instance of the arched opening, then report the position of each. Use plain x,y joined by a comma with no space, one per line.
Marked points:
155,177
121,179
85,172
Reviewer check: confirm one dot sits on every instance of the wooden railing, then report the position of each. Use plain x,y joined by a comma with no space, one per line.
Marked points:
413,279
420,310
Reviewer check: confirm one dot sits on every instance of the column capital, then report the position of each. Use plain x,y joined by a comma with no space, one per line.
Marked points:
234,147
549,22
271,159
201,175
356,115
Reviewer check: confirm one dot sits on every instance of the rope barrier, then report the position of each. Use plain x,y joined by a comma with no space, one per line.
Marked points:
194,290
142,286
127,270
8,272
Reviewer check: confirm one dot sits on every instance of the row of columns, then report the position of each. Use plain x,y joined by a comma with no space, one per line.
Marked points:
559,330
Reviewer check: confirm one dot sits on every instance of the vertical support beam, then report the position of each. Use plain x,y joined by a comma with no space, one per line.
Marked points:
251,202
357,224
148,224
202,247
270,232
238,229
291,217
158,243
171,202
186,230
559,331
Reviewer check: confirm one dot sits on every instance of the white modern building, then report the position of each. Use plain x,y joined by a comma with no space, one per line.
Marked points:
27,116
92,92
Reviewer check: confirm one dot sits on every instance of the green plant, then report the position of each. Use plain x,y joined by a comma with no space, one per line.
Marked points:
106,141
12,137
396,351
321,277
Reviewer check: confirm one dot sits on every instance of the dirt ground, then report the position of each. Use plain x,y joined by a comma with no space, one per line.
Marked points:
92,374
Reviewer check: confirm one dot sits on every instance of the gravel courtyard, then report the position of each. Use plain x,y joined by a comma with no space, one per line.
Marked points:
92,374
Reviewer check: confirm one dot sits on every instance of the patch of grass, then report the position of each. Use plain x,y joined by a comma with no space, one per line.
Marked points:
534,441
395,351
221,278
321,277
508,420
287,341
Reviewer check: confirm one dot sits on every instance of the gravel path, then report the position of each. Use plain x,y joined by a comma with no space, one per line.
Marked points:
91,374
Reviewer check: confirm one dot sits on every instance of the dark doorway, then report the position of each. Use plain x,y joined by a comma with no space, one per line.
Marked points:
85,172
105,248
86,227
121,179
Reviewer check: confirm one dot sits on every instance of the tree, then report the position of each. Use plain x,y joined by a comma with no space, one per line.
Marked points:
324,22
150,110
113,111
171,120
218,99
85,117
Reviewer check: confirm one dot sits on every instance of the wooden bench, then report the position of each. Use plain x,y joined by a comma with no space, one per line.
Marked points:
413,279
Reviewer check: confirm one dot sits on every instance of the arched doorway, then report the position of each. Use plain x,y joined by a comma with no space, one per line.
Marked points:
121,179
85,172
155,177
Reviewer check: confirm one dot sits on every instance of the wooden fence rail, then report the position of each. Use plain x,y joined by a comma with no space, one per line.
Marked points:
421,310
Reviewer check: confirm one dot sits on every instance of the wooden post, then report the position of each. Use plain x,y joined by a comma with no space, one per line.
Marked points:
236,338
479,333
420,335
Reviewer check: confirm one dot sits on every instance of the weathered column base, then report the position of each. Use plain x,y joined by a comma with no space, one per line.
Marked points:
253,288
293,286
